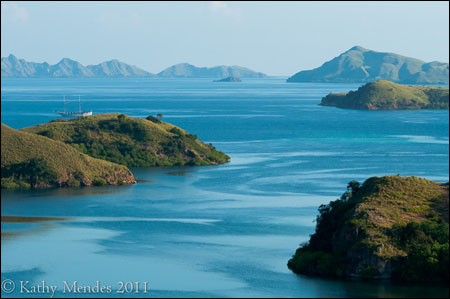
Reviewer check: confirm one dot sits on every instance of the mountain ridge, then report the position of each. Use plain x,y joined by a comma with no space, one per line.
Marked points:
13,67
363,65
68,68
187,70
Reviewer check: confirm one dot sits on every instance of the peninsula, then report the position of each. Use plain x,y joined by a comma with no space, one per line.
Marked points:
386,95
387,228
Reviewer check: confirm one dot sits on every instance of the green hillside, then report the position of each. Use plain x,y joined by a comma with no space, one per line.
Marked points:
130,141
389,227
386,95
33,161
364,65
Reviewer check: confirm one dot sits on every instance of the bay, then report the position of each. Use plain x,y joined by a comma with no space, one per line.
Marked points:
216,231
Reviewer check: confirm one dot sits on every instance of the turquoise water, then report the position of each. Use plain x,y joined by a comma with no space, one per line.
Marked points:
216,231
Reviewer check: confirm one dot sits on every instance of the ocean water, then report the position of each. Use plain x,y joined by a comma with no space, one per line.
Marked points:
215,231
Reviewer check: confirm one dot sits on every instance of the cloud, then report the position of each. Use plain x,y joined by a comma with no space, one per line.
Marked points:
222,8
14,12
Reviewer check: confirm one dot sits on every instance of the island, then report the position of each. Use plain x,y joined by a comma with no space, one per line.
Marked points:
133,142
186,70
34,161
387,95
229,79
390,227
363,65
13,67
96,150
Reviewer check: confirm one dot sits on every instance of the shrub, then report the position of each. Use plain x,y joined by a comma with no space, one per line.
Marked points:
35,172
176,131
153,119
99,182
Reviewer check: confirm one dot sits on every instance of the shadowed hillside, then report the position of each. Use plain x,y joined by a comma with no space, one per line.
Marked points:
33,161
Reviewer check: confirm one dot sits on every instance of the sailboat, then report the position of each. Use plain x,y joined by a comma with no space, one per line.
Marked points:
80,113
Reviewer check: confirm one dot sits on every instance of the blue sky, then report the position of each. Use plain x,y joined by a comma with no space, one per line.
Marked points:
278,38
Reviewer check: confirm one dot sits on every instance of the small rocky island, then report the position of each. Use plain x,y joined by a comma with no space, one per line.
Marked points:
387,228
97,150
387,95
229,79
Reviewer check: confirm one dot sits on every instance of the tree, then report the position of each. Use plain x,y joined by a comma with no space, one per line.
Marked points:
353,187
160,116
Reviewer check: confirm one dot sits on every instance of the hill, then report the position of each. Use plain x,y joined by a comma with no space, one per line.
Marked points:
186,70
388,228
115,68
67,68
33,161
386,95
132,142
363,65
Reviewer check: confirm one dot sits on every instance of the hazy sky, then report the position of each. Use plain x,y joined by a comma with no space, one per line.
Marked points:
278,38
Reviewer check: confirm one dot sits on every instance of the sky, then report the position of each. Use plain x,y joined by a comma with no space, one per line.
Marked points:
277,38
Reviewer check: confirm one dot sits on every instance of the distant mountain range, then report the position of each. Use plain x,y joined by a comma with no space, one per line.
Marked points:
363,65
186,70
67,68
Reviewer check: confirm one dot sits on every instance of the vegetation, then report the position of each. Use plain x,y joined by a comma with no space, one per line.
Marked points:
386,95
154,119
132,142
33,161
390,227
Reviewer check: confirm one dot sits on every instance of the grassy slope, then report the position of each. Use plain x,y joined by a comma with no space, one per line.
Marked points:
386,95
133,142
68,164
364,234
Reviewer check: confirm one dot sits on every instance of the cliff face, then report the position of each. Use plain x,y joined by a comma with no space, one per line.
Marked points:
386,95
388,228
33,161
363,65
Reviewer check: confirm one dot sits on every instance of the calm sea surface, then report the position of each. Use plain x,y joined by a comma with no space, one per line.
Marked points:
211,231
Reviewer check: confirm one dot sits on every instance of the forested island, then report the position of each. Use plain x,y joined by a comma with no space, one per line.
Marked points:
70,152
387,95
387,228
